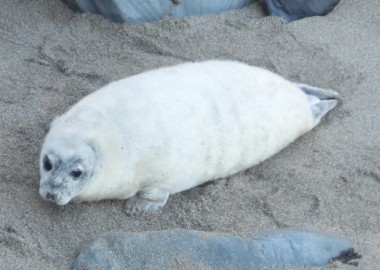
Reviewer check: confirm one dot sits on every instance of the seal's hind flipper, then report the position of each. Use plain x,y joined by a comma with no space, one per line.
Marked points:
321,101
318,92
321,108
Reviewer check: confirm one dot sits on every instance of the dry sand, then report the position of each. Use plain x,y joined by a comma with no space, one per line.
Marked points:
327,181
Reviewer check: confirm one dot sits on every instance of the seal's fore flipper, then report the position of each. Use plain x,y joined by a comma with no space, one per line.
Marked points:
321,101
148,199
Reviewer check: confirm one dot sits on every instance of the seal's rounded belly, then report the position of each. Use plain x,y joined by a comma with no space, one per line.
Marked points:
170,129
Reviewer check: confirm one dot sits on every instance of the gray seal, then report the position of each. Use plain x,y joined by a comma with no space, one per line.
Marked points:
168,130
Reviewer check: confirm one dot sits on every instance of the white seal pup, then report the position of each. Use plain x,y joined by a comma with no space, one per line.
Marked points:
168,130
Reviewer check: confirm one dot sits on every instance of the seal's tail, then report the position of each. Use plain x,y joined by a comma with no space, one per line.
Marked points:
321,101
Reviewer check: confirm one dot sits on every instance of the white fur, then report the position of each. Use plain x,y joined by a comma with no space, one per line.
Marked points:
171,129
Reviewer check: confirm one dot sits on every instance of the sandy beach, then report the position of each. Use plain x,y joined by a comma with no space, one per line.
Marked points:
327,181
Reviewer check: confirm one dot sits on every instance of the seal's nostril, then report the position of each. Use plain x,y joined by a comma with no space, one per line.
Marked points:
51,196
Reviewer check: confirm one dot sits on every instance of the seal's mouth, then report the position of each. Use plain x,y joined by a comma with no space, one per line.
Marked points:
53,197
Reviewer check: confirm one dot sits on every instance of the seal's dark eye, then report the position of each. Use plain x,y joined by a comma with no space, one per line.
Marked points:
47,164
76,173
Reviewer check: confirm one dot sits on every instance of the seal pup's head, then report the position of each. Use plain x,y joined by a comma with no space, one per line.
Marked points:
67,163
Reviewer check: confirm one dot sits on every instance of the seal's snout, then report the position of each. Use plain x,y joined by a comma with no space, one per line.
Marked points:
50,196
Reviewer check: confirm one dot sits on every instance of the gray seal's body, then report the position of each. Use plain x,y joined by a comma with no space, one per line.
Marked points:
171,129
